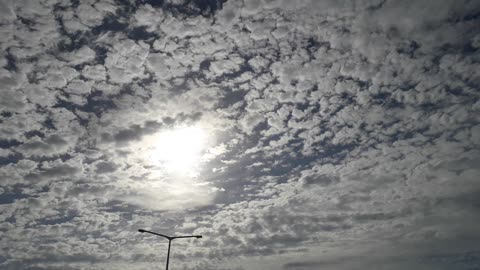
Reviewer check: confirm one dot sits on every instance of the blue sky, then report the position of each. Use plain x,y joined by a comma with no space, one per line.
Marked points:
290,134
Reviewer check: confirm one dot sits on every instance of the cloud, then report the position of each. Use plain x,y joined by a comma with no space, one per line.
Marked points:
175,196
105,167
13,100
341,134
133,133
52,173
52,145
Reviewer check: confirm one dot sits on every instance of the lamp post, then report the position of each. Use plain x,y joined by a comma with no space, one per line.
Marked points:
170,238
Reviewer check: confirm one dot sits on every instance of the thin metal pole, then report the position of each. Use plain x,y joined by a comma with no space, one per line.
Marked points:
168,254
170,238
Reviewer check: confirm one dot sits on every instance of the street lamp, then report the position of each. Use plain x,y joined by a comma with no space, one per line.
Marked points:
170,238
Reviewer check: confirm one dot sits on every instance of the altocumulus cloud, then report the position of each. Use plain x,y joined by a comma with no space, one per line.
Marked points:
334,134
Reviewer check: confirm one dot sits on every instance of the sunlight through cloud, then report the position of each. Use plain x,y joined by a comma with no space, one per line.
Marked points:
178,150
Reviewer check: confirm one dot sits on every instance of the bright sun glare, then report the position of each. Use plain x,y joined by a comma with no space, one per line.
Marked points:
178,150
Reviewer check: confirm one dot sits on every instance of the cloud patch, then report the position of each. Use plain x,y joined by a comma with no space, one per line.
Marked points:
338,134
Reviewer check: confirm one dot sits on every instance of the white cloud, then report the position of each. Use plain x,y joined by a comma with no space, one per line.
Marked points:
126,61
335,129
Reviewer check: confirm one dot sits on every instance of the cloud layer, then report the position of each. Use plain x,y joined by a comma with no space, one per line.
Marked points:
341,134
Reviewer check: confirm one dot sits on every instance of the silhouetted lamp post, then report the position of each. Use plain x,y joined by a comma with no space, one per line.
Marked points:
170,238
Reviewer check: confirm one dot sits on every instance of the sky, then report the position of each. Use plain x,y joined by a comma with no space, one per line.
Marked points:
307,134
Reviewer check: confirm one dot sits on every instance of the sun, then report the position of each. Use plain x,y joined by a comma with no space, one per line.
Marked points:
178,150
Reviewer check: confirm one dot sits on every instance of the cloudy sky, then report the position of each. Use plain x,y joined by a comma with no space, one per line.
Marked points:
307,134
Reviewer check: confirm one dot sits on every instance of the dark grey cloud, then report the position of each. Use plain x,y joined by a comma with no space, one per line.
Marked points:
59,171
50,145
303,265
105,167
335,134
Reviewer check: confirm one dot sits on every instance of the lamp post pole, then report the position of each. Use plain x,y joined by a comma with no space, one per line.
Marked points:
170,238
168,252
